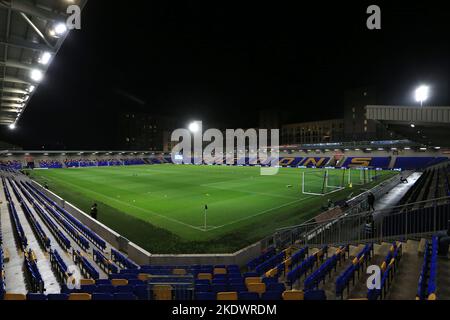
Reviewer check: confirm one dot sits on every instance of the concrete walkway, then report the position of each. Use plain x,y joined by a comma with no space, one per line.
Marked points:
392,198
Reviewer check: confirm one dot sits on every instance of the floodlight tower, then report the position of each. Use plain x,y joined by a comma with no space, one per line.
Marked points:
421,94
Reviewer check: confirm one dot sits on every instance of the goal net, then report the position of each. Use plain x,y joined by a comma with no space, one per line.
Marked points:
322,181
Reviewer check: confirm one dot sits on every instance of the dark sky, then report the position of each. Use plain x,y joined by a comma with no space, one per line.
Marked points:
222,61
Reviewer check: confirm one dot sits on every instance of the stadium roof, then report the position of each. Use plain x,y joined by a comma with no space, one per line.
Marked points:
31,33
427,125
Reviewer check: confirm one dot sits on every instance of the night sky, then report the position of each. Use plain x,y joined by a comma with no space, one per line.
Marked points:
221,62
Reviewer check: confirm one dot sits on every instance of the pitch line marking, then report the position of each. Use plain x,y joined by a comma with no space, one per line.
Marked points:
263,212
135,207
183,223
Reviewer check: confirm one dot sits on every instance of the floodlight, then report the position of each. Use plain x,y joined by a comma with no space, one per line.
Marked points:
194,127
45,58
413,125
12,126
31,88
422,93
36,75
60,29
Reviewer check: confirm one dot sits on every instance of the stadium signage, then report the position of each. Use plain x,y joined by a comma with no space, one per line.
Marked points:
208,147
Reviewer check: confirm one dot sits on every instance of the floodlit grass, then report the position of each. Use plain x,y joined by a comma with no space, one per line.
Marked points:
161,207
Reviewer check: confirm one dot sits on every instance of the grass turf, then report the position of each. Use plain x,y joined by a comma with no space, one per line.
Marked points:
161,207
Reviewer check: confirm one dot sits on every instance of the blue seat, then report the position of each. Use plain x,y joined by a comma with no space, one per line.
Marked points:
105,288
271,295
133,282
36,297
141,292
90,288
202,288
202,281
102,281
251,274
219,281
270,280
219,288
57,296
124,296
205,296
102,296
237,287
248,296
128,289
280,287
315,295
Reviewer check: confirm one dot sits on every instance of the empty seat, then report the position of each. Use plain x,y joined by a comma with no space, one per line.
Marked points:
252,280
90,288
119,282
141,292
293,295
205,296
102,281
80,296
272,295
162,292
14,297
248,296
315,295
259,288
102,296
218,271
57,296
36,297
128,289
124,296
205,276
225,296
84,282
105,288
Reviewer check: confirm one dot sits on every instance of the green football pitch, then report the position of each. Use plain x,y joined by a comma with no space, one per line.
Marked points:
162,207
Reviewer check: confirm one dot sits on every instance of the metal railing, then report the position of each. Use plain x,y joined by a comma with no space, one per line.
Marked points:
410,221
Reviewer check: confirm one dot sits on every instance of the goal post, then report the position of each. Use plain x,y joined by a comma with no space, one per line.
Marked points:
321,182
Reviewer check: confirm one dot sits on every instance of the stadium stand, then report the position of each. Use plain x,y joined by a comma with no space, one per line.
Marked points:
298,271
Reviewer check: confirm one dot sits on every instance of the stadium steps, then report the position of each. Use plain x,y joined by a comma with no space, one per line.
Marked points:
360,289
51,284
443,279
405,282
14,278
74,245
330,285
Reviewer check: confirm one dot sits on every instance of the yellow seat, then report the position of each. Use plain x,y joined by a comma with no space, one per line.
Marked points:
143,276
252,280
80,296
14,297
85,282
432,296
179,272
204,276
259,288
162,292
220,271
227,296
119,282
293,295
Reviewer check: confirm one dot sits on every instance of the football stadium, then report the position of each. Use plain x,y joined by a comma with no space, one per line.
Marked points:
97,202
